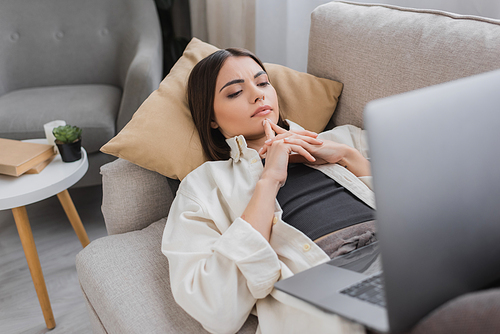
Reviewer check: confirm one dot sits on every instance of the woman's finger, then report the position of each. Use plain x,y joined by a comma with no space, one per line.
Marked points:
303,141
305,133
268,129
278,129
297,139
270,135
295,149
263,151
303,152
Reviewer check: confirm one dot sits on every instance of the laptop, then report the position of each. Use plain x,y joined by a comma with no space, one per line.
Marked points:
435,155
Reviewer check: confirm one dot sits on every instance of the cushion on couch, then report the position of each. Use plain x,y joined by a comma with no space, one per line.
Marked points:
380,50
161,135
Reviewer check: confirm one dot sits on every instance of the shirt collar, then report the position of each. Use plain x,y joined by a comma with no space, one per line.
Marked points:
238,147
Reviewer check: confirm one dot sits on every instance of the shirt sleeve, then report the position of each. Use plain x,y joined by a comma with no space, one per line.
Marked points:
368,180
349,135
216,276
354,137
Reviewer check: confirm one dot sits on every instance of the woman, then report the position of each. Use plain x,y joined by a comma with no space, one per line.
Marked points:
240,222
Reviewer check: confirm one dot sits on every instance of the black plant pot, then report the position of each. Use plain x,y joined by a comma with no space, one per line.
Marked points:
70,152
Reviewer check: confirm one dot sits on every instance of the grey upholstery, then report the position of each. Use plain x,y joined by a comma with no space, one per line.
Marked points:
401,53
90,63
471,313
150,197
134,296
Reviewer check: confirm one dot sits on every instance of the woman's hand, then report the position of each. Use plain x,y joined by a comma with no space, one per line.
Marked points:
260,210
300,136
323,151
278,150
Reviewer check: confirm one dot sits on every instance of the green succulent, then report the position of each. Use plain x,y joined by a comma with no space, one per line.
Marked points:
67,133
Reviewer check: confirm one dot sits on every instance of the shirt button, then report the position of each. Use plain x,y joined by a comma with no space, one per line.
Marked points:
254,161
275,220
306,247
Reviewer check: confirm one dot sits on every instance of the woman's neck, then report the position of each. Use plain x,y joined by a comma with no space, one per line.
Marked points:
256,144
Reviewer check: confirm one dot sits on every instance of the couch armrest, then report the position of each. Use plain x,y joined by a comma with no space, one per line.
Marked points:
134,197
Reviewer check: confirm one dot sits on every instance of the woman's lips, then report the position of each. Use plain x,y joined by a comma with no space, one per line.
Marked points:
262,111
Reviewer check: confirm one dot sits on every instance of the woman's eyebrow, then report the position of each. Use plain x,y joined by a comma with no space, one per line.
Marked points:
259,74
236,81
232,82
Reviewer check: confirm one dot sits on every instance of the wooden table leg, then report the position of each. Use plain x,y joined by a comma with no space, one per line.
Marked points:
73,217
26,236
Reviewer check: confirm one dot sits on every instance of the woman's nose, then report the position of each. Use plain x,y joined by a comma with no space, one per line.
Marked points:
262,97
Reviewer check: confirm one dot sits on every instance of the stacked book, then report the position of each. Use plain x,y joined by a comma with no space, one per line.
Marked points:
18,157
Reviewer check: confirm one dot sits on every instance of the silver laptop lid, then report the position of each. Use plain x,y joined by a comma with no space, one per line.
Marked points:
436,168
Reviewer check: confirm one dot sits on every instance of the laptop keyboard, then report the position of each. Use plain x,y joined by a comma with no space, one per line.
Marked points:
370,290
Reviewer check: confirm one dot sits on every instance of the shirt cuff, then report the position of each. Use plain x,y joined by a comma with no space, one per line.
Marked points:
252,254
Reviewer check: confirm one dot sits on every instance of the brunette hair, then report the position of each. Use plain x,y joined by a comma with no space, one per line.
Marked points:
201,93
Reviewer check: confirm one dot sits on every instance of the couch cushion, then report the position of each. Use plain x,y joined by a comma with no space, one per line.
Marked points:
90,107
379,50
125,279
162,137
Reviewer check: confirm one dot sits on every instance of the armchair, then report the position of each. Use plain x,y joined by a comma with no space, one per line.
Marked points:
90,63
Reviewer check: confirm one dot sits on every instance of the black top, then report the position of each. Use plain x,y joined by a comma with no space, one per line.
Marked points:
317,205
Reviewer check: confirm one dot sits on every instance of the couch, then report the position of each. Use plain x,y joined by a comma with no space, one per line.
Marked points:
375,51
90,63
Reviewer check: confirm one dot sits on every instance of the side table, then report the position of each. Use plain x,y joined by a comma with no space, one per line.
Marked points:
17,192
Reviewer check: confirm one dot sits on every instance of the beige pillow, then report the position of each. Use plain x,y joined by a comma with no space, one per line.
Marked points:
161,135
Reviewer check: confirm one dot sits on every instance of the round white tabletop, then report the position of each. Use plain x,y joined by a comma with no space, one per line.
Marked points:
30,188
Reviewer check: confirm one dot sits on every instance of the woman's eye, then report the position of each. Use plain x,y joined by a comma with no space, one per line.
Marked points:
263,84
234,94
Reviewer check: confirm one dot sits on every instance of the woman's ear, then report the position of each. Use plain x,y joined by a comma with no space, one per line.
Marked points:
214,125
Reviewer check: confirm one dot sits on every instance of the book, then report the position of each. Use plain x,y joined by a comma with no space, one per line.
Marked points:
17,157
38,168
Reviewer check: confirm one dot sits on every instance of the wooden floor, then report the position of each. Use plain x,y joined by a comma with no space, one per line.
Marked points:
57,247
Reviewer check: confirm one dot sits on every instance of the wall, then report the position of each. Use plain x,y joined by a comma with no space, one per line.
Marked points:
282,26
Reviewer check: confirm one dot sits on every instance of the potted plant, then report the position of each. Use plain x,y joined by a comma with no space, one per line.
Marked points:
69,142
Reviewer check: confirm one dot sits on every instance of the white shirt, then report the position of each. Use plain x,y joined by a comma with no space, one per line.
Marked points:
222,269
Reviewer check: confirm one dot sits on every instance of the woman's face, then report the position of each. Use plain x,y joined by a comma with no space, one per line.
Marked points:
243,99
